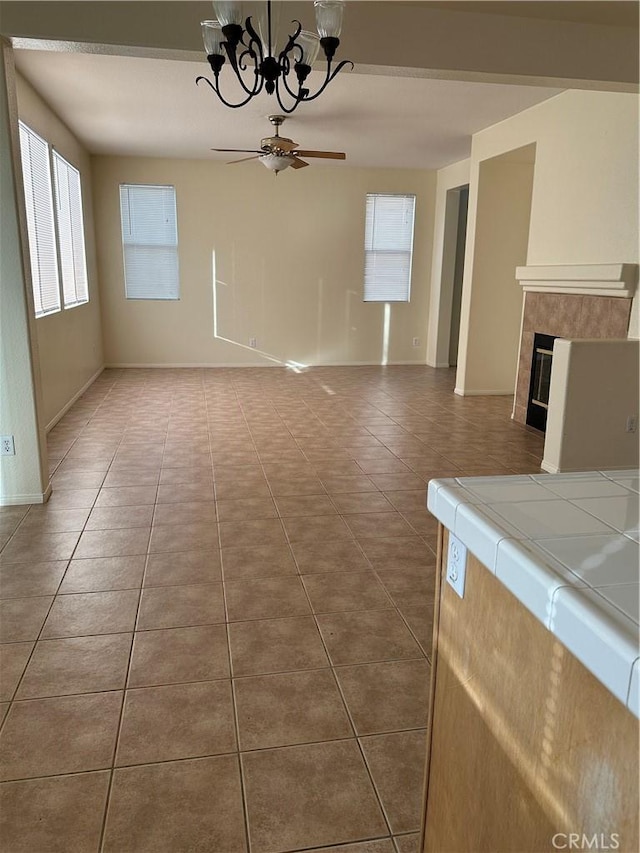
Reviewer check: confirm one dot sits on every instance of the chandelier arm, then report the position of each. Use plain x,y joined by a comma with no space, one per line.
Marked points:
216,88
330,76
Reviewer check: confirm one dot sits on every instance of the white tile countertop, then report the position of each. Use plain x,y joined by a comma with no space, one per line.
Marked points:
566,545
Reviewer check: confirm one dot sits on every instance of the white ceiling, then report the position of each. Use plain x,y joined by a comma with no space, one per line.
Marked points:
150,107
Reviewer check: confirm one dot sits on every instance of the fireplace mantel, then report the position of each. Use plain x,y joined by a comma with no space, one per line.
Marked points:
580,279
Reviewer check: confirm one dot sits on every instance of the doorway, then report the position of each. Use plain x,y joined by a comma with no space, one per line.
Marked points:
458,273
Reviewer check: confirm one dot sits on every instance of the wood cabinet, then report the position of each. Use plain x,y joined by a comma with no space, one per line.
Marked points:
525,745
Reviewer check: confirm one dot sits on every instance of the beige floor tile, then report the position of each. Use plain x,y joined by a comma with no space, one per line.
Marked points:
410,500
45,520
191,512
180,606
85,613
46,737
373,465
419,618
178,476
311,795
196,536
241,490
378,525
397,764
275,645
146,816
62,813
384,697
420,580
109,518
398,552
98,574
22,580
255,562
323,557
22,618
262,598
176,721
77,479
126,496
129,476
400,482
367,635
185,492
384,845
292,486
324,528
13,660
289,708
76,665
362,502
173,655
39,548
346,485
248,509
408,843
72,498
302,505
184,567
113,543
267,531
346,591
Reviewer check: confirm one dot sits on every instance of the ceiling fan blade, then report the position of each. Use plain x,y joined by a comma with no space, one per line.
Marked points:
280,142
325,155
298,164
238,150
244,160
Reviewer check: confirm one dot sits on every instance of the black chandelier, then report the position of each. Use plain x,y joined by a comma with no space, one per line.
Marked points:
254,58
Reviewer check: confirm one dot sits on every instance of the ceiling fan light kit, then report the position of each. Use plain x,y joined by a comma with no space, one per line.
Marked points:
278,152
252,54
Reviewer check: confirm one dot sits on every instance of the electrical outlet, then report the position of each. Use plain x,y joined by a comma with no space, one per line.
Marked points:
456,564
253,342
416,342
632,424
7,447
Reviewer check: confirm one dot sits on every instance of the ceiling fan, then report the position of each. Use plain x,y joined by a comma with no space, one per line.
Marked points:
277,152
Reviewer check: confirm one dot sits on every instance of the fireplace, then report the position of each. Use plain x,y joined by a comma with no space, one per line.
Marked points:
538,402
569,301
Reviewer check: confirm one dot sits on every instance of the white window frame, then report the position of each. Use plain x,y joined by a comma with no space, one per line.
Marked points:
67,256
150,252
393,282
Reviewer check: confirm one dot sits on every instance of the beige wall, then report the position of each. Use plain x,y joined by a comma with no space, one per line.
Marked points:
70,341
23,476
289,262
584,206
594,389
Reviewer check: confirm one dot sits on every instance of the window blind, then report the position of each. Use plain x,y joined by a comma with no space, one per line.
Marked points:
150,241
388,247
73,266
36,174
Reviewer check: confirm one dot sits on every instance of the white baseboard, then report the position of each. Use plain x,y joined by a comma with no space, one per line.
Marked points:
20,500
187,365
462,393
63,411
439,364
549,468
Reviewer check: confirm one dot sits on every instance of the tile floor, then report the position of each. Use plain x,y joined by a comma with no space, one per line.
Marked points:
216,634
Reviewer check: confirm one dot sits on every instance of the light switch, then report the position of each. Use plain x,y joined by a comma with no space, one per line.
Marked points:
456,564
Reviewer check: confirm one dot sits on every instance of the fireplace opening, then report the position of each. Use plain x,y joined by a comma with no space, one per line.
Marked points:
538,402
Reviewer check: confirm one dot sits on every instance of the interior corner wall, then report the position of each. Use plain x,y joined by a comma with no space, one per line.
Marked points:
279,259
584,207
443,261
69,341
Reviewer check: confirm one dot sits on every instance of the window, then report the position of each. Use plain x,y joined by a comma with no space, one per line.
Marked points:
150,241
38,193
54,225
388,245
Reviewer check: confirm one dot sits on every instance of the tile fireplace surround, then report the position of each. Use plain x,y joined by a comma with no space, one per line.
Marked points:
572,301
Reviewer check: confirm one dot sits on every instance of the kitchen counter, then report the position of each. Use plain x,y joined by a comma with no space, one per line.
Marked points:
566,546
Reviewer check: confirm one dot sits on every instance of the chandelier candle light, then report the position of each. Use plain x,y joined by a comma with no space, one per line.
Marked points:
253,56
